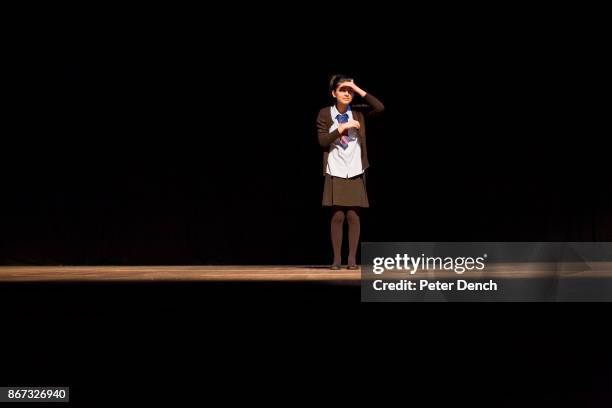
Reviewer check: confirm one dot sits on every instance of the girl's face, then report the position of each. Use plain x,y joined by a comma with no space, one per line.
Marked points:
343,94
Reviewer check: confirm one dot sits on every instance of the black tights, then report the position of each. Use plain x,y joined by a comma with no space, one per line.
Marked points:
337,223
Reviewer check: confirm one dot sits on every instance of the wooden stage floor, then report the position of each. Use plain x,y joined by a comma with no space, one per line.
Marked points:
281,273
176,273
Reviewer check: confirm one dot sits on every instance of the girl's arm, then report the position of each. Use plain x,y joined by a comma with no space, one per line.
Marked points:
377,106
325,136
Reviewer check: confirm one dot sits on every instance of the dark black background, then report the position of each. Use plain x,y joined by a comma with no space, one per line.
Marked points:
156,138
147,143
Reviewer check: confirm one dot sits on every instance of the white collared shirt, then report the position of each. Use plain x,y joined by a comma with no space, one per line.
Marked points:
341,162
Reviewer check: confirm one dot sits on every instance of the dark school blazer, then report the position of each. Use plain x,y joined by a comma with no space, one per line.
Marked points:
325,121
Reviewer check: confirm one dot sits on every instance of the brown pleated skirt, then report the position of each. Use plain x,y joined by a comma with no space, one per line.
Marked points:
349,192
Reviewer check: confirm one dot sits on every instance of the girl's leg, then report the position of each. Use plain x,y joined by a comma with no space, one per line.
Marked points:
353,232
337,222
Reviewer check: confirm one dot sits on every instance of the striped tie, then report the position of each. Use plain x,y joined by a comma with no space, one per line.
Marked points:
343,118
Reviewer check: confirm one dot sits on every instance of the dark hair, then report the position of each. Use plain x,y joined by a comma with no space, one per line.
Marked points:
337,80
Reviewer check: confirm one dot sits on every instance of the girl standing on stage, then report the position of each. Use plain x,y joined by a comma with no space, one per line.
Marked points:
342,136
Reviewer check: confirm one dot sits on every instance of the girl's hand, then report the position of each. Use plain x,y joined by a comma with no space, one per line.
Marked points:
355,88
350,124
